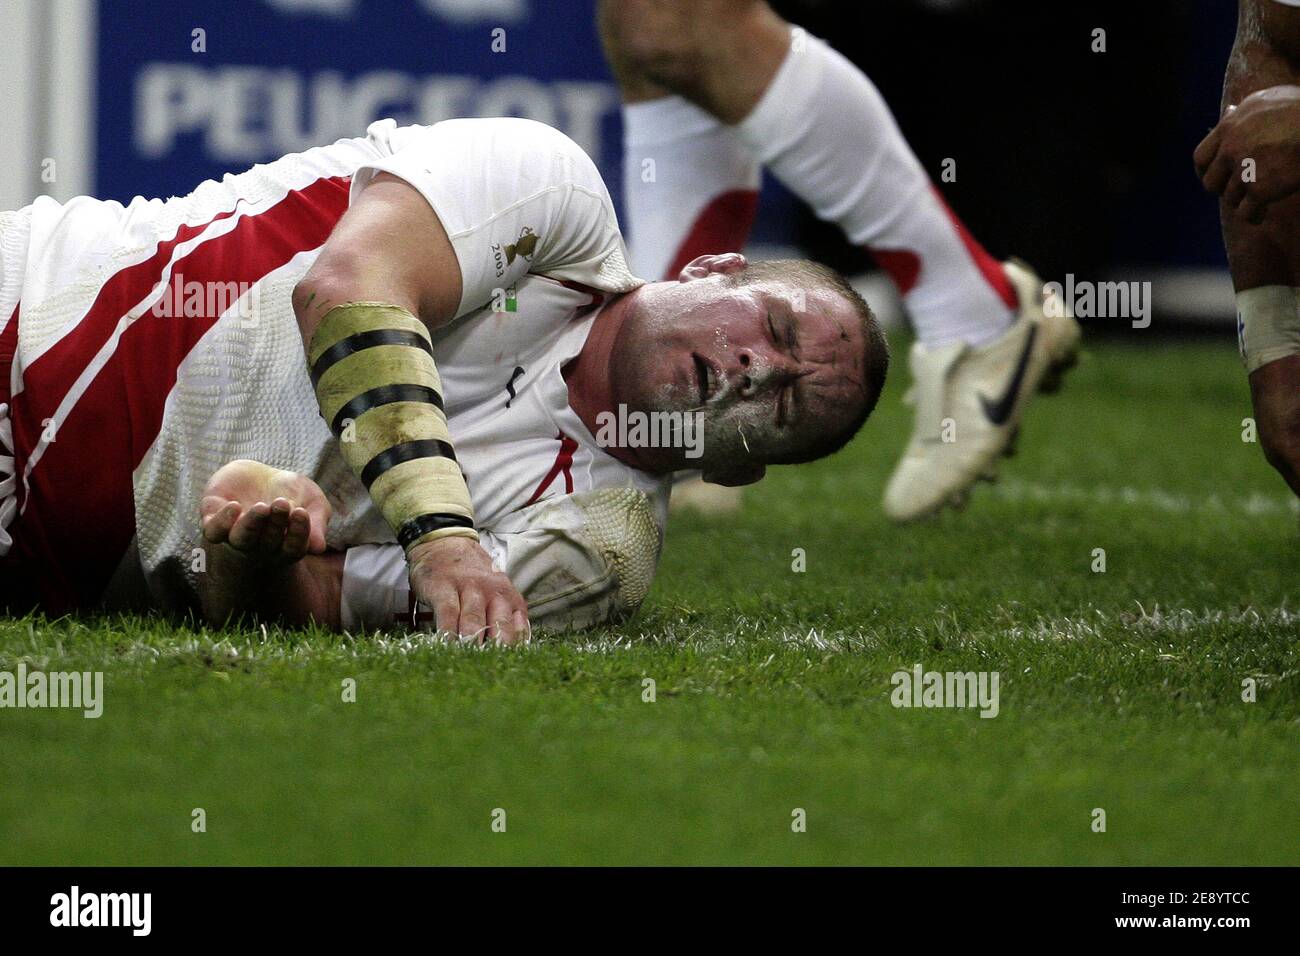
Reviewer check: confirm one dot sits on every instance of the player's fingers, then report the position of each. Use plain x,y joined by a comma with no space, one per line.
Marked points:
521,612
211,505
1235,192
277,525
247,529
318,510
1219,174
446,610
297,534
307,494
1206,150
523,628
473,613
501,627
216,524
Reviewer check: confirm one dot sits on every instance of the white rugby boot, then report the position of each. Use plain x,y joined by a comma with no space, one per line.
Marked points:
969,401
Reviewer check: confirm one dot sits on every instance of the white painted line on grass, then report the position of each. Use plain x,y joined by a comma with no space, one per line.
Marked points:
1153,499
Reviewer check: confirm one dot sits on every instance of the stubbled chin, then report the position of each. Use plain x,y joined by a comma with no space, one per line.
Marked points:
669,398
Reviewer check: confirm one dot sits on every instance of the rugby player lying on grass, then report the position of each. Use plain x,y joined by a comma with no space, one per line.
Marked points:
769,383
467,313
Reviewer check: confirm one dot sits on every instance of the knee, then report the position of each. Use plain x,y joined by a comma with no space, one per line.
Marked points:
648,40
668,42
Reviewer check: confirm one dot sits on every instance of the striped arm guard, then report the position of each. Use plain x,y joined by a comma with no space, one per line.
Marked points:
378,388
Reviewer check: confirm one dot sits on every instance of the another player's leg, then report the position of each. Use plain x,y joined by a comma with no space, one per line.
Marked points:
821,126
1265,258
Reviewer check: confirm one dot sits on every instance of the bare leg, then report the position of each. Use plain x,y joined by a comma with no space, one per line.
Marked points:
719,54
1267,53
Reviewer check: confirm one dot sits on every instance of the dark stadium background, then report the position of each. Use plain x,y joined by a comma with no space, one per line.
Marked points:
1078,161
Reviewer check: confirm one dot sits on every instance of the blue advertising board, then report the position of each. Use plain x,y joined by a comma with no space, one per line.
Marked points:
192,90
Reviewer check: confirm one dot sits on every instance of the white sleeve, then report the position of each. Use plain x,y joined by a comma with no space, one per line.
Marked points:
579,560
515,196
375,595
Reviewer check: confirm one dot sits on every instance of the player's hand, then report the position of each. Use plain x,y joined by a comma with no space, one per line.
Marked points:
1263,127
469,597
267,515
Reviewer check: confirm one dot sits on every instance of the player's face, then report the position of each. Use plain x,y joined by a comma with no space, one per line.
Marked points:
769,366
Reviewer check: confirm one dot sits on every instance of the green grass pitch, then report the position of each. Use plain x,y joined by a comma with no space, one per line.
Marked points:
1120,690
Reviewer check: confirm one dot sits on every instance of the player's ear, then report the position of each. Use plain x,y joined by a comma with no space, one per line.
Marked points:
701,267
735,474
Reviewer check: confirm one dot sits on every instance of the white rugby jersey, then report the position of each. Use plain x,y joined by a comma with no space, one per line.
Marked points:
155,342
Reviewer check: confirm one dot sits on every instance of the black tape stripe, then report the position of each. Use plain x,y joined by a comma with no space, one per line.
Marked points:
417,527
384,395
366,340
406,451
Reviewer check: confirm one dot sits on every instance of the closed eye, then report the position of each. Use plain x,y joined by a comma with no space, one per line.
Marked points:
789,342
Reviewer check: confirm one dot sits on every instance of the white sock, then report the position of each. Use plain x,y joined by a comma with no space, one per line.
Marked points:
825,131
690,185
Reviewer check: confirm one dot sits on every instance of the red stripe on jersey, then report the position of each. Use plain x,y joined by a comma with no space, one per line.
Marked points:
8,348
81,517
47,380
722,226
563,465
